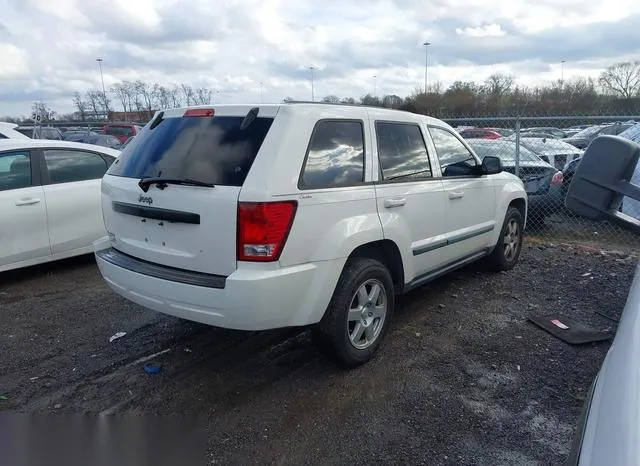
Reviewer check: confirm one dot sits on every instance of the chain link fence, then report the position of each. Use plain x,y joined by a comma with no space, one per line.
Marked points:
544,152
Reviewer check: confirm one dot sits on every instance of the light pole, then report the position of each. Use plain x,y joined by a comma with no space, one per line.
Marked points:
374,86
260,91
426,64
104,93
312,68
562,74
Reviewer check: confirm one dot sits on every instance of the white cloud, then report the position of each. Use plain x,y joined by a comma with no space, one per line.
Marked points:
48,48
488,30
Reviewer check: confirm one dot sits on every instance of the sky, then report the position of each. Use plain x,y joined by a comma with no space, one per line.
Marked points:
48,48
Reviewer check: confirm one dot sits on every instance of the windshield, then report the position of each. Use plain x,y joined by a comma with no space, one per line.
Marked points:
214,150
632,133
551,145
505,150
590,131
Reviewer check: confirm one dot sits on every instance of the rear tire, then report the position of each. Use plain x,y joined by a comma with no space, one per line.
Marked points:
359,313
507,251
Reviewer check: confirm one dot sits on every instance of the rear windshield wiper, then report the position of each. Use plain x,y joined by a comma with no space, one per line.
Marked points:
162,182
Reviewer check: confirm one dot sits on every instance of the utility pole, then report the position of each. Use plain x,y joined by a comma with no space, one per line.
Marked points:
426,64
312,90
104,93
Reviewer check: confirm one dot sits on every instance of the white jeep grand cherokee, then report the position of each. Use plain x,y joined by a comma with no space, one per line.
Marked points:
258,217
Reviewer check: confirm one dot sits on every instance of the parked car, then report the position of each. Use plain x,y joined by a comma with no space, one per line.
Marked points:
632,133
262,217
41,132
122,131
77,135
50,191
504,132
567,174
608,429
553,151
536,135
126,143
8,131
542,182
555,132
582,139
481,133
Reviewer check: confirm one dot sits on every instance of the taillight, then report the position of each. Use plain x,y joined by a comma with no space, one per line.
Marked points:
199,112
557,178
263,228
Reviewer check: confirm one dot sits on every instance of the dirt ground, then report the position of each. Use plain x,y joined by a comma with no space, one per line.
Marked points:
463,378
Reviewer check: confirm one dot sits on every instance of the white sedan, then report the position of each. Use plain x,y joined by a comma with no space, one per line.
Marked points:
49,199
8,131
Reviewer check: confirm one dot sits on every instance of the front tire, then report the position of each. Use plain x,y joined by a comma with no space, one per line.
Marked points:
359,313
507,251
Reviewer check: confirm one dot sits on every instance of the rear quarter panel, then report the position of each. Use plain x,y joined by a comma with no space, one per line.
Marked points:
329,223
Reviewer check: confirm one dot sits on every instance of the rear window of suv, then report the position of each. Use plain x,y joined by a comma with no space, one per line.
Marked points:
216,150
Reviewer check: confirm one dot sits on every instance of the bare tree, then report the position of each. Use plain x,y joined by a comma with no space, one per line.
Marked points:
392,101
622,79
81,105
348,100
187,94
174,94
129,88
203,96
121,92
93,99
499,84
105,102
331,99
371,101
42,108
164,97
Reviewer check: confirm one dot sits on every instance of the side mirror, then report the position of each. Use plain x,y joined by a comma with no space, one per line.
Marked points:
491,165
602,179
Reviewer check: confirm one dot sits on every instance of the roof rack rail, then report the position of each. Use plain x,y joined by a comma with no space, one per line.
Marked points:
346,104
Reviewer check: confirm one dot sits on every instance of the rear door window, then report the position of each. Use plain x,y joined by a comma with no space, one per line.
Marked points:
15,170
67,166
402,151
335,157
218,150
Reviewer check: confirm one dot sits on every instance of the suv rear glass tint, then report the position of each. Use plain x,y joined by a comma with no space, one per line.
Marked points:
335,157
213,150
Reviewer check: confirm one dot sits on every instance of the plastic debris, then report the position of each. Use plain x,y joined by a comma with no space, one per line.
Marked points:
152,368
115,336
3,398
588,274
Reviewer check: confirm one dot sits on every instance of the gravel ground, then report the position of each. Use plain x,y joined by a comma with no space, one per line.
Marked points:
462,378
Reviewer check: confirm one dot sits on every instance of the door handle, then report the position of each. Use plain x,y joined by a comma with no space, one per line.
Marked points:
456,195
396,202
27,201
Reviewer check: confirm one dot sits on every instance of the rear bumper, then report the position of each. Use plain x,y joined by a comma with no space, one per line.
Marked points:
253,298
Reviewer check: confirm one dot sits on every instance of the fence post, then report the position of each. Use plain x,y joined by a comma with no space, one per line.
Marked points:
518,146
